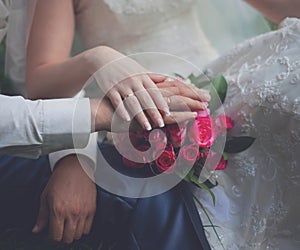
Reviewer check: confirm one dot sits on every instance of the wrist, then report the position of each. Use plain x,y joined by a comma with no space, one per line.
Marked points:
100,115
94,58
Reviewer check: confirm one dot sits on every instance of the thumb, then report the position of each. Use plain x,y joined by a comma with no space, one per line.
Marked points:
42,219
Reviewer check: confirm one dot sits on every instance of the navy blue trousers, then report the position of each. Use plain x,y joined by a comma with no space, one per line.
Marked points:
169,221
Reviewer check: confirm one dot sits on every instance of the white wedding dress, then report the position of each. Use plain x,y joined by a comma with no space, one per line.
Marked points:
258,202
257,198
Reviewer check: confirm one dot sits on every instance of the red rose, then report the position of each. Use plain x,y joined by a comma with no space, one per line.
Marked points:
132,164
212,158
136,138
140,159
222,165
190,153
166,159
202,131
176,134
223,122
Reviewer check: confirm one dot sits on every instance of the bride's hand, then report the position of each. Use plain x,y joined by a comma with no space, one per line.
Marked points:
124,81
120,78
182,100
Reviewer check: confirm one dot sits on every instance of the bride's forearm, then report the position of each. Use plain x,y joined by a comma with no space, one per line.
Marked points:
56,80
65,78
277,10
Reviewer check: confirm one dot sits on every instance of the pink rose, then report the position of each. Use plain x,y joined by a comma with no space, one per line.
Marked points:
190,153
176,134
157,137
165,160
202,131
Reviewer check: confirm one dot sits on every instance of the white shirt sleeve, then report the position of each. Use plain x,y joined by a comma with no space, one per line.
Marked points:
89,152
33,128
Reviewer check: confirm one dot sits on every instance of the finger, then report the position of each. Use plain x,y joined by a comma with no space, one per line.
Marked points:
157,77
181,103
178,117
79,229
56,227
42,219
88,224
187,90
134,106
156,96
69,231
149,107
118,104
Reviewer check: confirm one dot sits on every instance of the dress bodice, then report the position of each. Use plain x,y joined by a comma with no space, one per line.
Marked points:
134,26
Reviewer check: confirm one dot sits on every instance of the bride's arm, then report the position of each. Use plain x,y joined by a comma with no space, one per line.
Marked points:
52,73
277,10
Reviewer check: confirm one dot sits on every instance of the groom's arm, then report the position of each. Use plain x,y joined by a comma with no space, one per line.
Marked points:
32,128
277,10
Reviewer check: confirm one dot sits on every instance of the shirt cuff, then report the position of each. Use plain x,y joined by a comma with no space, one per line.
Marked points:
89,153
65,124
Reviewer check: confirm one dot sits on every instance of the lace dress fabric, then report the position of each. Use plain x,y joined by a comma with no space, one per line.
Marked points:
134,26
260,185
257,200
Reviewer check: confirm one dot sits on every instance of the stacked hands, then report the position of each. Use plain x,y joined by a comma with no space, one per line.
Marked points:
182,100
143,101
134,92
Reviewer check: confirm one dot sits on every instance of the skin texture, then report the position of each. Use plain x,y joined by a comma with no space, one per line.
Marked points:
183,101
68,202
48,62
51,73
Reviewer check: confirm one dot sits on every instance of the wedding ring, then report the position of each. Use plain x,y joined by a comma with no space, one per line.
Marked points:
128,95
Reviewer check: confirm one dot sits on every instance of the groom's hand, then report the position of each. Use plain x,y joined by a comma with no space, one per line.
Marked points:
68,202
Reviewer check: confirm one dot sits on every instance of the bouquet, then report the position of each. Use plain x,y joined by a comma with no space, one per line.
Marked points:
191,148
188,147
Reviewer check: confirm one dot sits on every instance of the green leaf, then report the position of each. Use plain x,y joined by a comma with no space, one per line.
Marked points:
192,78
236,145
225,156
199,83
209,219
195,180
178,75
218,92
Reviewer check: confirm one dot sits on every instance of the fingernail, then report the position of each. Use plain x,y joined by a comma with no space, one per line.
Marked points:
207,97
204,105
147,126
195,114
127,118
161,123
167,112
